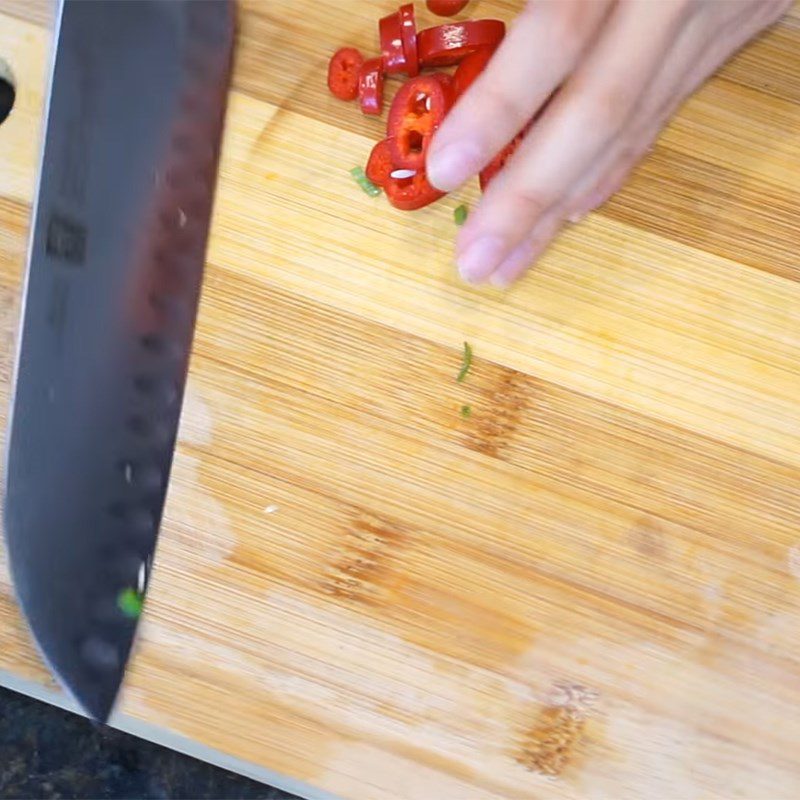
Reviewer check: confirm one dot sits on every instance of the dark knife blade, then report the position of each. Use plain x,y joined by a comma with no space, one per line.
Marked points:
119,232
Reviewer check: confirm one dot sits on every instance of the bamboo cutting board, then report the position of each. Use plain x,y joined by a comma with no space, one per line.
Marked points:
588,589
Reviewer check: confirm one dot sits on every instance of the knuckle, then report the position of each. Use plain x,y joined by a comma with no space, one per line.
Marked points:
569,23
569,34
607,110
500,104
530,202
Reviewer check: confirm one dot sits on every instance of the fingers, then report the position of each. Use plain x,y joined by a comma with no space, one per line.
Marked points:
608,176
700,38
612,171
528,252
482,267
610,182
540,51
583,122
606,183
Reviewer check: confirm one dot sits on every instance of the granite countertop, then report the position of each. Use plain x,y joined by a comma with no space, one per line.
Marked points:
49,753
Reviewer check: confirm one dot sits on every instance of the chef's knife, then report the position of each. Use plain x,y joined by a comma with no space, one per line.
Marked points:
120,224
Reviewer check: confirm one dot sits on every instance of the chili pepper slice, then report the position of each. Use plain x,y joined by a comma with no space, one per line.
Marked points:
343,70
417,111
408,27
393,52
469,69
448,44
446,79
379,165
370,86
411,193
446,8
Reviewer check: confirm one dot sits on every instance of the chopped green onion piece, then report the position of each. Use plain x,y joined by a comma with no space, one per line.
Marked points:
364,182
130,603
460,214
466,411
466,363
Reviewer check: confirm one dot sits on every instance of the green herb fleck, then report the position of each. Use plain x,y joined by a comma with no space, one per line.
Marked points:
364,182
466,363
466,411
460,214
130,603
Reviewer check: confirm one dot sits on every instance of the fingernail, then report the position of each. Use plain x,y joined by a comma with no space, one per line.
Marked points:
449,167
520,258
481,258
500,282
594,201
591,203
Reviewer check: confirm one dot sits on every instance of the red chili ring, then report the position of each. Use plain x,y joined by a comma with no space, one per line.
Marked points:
470,68
447,81
379,166
392,50
409,35
409,194
417,111
370,86
446,8
343,71
445,45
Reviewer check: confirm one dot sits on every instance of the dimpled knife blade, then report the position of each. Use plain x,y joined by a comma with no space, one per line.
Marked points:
133,127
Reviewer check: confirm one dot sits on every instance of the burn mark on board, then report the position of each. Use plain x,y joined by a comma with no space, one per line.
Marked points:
362,569
553,742
490,430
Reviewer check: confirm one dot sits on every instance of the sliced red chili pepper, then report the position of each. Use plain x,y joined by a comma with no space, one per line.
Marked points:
392,49
343,70
398,37
448,44
488,173
411,193
469,69
409,33
380,166
446,79
370,86
446,8
417,111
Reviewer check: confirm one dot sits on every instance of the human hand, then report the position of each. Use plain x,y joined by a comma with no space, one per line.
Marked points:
621,68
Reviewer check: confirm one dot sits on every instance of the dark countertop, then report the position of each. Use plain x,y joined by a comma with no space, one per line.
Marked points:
48,753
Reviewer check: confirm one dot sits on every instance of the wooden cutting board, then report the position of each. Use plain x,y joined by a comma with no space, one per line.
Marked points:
590,588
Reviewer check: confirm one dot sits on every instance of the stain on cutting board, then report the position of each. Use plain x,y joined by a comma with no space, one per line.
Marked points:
362,569
195,519
553,742
647,538
502,410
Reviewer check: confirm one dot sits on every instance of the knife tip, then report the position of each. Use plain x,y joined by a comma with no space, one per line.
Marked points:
96,701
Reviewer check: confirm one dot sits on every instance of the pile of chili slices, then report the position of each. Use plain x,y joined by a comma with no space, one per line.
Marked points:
397,163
